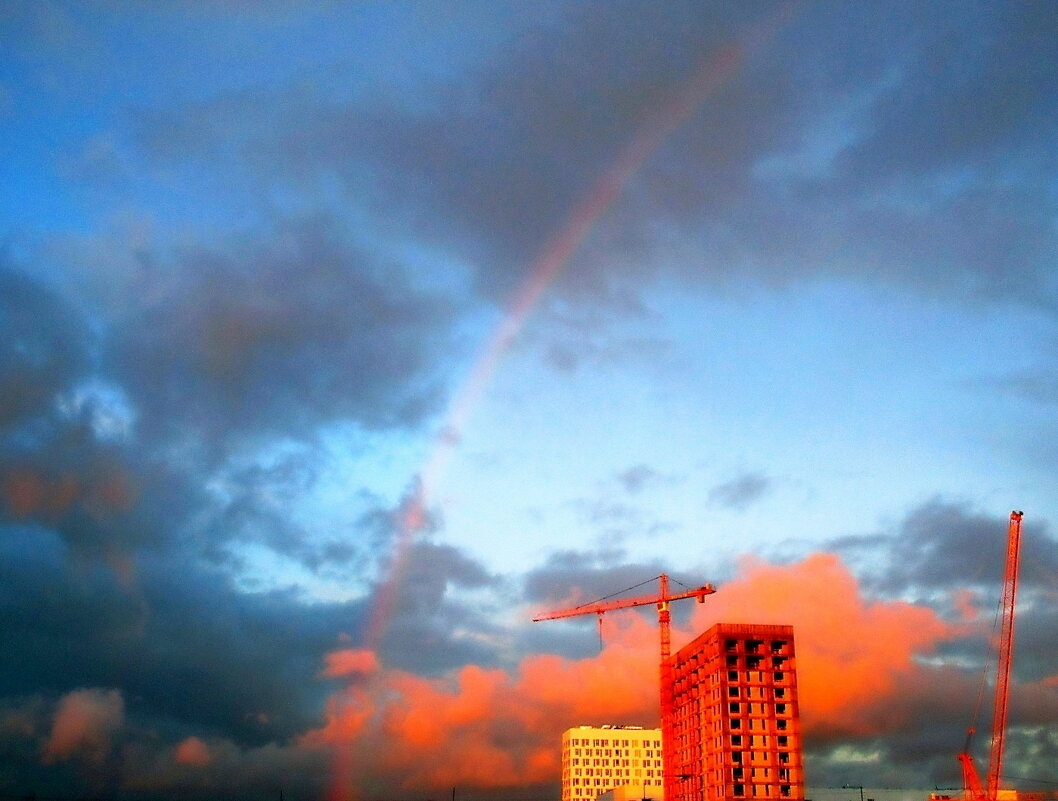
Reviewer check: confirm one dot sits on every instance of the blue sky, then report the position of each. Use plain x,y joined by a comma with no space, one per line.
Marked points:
252,254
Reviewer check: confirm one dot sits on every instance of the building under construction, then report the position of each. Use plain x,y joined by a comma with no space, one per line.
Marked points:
735,728
729,716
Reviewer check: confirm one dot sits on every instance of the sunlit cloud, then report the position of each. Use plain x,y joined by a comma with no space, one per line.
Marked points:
84,724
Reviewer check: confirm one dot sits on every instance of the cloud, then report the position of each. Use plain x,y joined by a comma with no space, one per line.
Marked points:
832,144
485,728
943,544
859,674
192,751
569,578
84,725
350,662
856,658
44,348
740,492
638,477
271,340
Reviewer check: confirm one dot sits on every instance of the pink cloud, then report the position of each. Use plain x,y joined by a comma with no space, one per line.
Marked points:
350,662
193,752
85,721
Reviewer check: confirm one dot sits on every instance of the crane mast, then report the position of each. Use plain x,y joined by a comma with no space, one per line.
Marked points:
989,791
662,601
1006,654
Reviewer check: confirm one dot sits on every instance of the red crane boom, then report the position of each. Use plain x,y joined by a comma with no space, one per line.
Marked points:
662,600
1006,654
971,781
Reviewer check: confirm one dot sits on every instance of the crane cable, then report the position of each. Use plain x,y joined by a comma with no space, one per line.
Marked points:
986,669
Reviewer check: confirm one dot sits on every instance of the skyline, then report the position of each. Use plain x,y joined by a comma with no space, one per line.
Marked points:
341,339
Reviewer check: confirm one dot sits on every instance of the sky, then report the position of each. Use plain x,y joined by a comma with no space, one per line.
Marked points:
340,339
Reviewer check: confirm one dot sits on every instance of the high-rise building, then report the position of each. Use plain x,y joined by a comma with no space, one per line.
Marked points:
597,759
735,718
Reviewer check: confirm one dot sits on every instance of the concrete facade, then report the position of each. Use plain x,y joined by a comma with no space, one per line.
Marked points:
736,727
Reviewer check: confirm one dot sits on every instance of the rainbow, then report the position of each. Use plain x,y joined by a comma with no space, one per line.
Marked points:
713,73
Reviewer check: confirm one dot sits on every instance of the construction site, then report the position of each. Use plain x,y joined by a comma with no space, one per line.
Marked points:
730,723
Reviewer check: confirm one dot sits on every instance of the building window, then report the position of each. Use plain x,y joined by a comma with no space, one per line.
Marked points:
733,707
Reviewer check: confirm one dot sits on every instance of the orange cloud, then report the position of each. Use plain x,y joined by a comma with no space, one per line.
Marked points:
494,728
23,493
350,662
27,493
852,654
487,727
193,752
84,722
967,604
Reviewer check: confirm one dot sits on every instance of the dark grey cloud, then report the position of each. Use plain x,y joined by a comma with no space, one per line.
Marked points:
588,576
190,653
60,465
942,549
272,339
493,165
434,625
119,556
875,142
741,491
943,544
44,349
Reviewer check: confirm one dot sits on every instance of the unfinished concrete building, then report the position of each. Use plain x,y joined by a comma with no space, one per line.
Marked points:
735,716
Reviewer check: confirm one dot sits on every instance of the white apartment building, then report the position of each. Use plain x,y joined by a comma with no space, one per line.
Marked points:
598,759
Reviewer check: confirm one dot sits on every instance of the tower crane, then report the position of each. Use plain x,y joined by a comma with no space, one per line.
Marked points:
662,601
971,779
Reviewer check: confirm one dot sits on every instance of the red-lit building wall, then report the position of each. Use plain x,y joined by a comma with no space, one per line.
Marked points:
735,716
